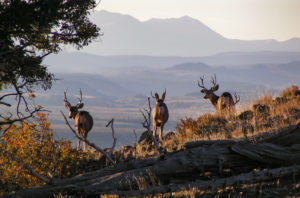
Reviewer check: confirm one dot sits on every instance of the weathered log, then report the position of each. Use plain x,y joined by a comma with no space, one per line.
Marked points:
270,154
244,178
194,144
286,136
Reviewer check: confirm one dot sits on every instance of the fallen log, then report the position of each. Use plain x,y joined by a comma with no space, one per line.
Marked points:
201,143
214,157
244,178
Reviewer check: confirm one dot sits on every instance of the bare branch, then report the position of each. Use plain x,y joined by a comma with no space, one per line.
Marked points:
4,103
147,116
135,136
111,123
6,95
20,119
237,99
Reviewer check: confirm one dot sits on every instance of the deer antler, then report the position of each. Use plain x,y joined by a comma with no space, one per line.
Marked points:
152,94
237,98
156,95
214,80
67,104
202,83
80,99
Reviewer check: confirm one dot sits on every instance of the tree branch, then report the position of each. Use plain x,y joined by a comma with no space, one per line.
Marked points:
32,172
111,123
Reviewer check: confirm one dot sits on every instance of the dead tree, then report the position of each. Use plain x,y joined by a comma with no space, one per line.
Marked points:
111,123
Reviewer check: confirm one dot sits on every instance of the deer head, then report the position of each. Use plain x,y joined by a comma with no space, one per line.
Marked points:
73,109
225,101
209,93
159,101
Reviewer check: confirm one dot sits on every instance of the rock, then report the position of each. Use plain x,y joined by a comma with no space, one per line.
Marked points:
246,115
145,138
261,109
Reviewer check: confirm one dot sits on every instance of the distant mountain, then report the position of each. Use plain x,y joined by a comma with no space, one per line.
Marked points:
267,74
185,36
96,89
191,67
247,58
77,62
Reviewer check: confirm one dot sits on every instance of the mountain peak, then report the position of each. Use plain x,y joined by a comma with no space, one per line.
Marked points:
112,16
183,36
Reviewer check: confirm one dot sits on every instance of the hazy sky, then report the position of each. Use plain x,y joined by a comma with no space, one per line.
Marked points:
236,19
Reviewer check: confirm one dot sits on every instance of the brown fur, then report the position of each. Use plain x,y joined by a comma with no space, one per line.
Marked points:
83,120
160,114
223,103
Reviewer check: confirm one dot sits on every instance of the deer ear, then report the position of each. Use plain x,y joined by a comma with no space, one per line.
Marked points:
163,96
79,105
156,96
203,90
215,88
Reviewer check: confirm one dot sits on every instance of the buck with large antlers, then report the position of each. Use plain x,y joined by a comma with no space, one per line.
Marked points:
222,103
83,120
160,114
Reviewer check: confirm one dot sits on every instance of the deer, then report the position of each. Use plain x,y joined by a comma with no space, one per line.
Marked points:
160,114
223,103
83,119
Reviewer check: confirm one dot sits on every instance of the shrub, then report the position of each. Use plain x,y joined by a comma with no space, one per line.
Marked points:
204,126
33,145
289,92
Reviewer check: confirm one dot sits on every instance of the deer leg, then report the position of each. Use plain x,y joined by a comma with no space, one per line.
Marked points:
84,143
154,130
161,132
78,140
78,144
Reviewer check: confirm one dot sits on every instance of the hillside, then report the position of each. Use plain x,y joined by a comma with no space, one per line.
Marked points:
214,155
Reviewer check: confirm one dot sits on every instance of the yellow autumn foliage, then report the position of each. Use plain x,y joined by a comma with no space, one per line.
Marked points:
33,144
